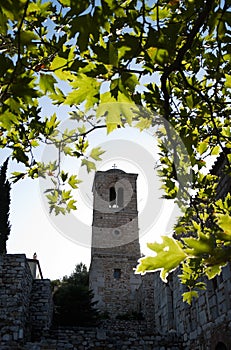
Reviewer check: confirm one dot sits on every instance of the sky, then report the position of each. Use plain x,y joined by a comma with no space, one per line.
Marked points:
61,242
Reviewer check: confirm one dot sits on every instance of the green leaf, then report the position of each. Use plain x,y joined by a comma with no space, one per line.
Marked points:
20,155
65,2
58,97
51,124
34,143
63,176
169,255
215,150
58,210
162,13
212,271
113,122
17,176
188,296
82,129
143,123
228,81
224,221
7,120
113,54
199,246
27,36
200,285
68,150
66,195
90,165
203,146
47,82
158,55
59,66
116,112
85,89
71,205
96,153
73,181
189,100
53,197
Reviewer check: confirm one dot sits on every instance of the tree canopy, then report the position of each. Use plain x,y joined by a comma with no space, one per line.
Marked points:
73,305
162,64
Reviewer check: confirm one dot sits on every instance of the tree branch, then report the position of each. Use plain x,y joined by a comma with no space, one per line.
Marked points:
18,50
181,53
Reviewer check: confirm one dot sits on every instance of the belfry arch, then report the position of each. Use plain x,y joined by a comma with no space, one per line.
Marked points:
221,346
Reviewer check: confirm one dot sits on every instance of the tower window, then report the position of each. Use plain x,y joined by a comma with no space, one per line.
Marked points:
117,274
116,197
112,197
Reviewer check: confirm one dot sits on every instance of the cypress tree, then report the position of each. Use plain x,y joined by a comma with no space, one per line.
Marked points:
4,207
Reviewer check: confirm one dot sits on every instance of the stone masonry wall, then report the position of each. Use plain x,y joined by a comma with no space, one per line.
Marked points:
121,335
202,324
115,243
146,301
15,289
25,304
115,296
41,307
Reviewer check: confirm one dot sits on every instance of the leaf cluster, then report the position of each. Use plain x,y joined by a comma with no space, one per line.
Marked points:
128,61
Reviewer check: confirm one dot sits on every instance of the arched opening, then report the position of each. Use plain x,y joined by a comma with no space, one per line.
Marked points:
112,197
116,197
120,201
221,346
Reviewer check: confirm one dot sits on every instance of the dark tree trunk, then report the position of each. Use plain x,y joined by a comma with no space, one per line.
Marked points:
4,207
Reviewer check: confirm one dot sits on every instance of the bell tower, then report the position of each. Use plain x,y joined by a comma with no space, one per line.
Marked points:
115,245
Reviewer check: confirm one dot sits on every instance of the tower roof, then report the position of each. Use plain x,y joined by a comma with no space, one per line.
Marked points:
115,170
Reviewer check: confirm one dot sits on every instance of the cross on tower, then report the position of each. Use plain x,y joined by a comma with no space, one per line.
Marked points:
114,166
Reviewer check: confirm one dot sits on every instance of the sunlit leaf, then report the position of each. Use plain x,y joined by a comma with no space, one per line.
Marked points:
143,123
90,165
71,205
158,55
212,271
224,221
203,146
188,296
228,80
169,255
73,181
47,83
85,89
96,153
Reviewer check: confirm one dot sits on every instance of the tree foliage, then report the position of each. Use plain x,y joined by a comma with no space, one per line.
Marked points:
129,61
73,300
4,207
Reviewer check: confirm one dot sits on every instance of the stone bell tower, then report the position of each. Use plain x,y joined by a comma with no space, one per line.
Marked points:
115,245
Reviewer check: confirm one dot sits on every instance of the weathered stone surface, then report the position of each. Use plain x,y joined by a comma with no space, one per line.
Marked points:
25,303
168,324
115,243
